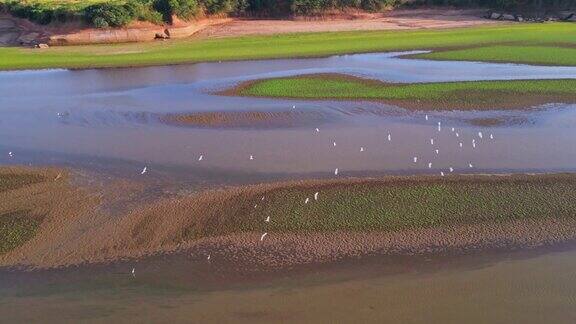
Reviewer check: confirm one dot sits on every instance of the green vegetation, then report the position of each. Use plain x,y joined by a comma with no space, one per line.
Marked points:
545,55
16,228
300,45
440,95
391,205
15,181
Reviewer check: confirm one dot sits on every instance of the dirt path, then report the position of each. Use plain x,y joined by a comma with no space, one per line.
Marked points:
395,20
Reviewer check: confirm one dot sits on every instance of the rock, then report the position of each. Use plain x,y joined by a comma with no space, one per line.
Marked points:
161,36
41,45
495,16
508,17
566,15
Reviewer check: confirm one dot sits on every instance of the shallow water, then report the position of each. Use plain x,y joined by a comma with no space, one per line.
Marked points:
108,120
516,287
105,121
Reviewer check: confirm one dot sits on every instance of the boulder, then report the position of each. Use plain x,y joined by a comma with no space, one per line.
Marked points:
495,16
508,17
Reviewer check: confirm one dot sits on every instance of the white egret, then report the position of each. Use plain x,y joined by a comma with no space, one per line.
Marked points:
10,154
262,198
208,258
470,165
133,272
426,117
453,129
201,157
461,144
293,107
431,141
317,130
143,170
437,151
430,165
336,171
307,200
389,137
415,159
457,135
439,126
480,134
491,136
451,169
334,143
251,157
267,220
361,149
255,205
316,196
263,236
442,173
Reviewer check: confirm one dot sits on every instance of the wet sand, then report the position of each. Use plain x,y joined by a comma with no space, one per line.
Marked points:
82,225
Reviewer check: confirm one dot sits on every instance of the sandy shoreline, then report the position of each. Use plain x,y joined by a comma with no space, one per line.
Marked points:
79,229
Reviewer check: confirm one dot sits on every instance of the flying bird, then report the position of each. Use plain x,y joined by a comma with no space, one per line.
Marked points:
263,236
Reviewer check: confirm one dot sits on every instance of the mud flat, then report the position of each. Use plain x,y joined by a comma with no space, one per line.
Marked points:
241,119
350,218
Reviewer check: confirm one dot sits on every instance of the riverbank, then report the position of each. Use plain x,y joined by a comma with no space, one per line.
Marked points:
550,38
311,221
475,95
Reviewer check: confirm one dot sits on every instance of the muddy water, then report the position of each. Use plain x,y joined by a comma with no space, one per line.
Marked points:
105,120
518,287
108,119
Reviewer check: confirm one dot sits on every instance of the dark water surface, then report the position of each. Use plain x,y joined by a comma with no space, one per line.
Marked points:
106,120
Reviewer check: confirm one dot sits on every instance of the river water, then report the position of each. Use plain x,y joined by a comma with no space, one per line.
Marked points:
105,121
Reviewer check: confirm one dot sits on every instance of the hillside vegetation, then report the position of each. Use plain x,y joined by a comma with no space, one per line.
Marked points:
118,13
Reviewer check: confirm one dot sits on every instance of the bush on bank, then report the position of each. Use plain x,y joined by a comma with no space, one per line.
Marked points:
118,13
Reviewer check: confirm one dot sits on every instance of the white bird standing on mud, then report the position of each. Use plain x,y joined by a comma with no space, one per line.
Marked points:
480,134
307,200
431,141
251,157
437,151
430,165
473,143
451,169
334,143
316,196
201,157
144,170
208,258
470,165
415,159
133,272
491,136
263,236
267,220
457,135
389,137
336,171
426,117
361,149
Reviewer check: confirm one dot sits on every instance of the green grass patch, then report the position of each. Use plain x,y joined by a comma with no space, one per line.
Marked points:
396,204
17,228
299,45
440,95
545,55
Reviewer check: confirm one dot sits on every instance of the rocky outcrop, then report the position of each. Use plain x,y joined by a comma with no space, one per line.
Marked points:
561,16
124,35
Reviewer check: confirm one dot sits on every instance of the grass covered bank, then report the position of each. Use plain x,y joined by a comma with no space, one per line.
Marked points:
422,96
547,40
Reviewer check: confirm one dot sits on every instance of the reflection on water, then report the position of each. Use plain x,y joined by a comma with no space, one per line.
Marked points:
111,115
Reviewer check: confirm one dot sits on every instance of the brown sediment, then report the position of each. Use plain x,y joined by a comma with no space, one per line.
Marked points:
76,229
239,119
498,121
462,99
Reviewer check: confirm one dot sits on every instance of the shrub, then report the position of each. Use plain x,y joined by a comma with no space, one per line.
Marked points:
104,15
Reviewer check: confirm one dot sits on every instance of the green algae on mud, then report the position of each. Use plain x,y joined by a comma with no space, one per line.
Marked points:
308,45
16,228
421,96
394,203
